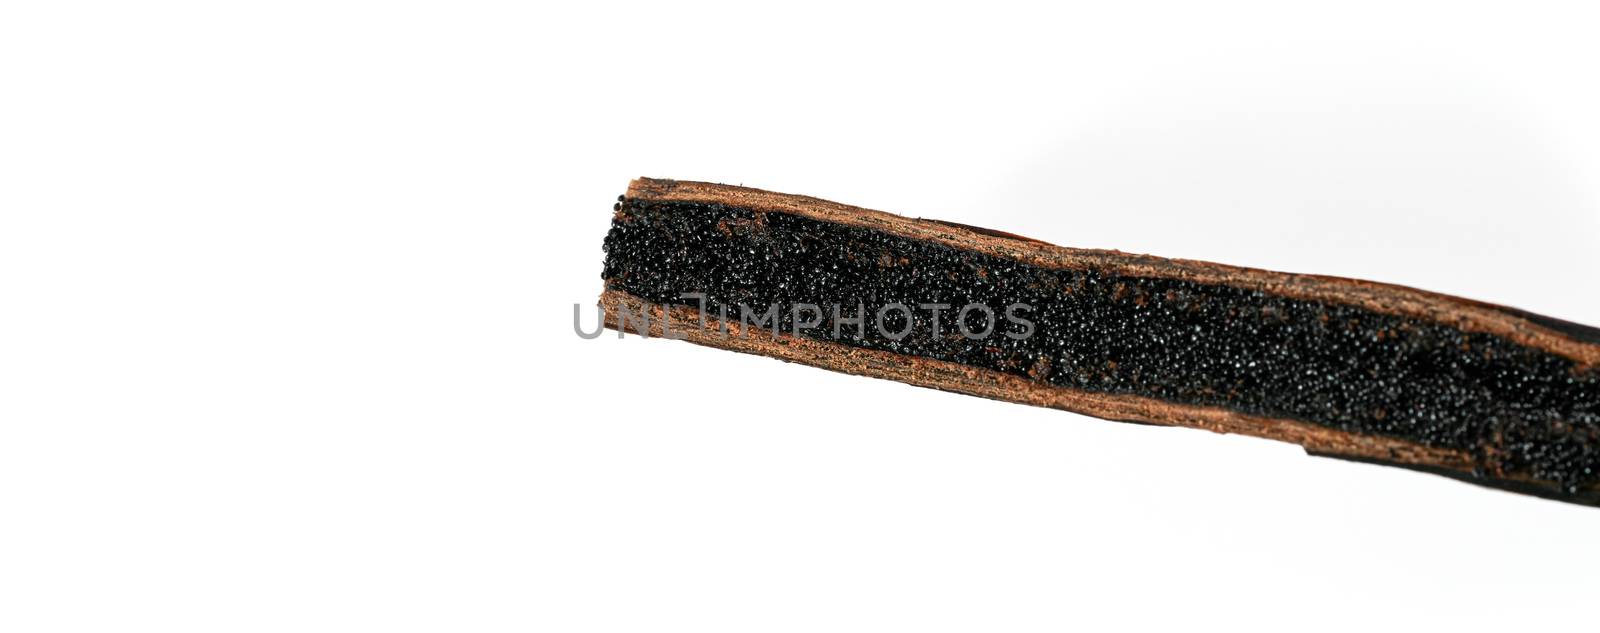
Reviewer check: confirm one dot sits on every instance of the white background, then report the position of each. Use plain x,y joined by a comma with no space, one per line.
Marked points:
287,296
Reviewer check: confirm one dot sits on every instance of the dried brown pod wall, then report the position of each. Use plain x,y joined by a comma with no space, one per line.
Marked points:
1345,368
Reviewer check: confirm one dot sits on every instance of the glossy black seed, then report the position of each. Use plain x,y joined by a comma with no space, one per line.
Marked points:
1521,411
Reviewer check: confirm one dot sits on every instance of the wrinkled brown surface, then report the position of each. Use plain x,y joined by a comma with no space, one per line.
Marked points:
1463,314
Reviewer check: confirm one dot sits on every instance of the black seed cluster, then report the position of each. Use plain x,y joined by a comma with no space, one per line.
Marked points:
1519,410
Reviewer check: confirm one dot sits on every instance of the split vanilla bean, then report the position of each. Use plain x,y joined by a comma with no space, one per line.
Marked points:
1345,368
